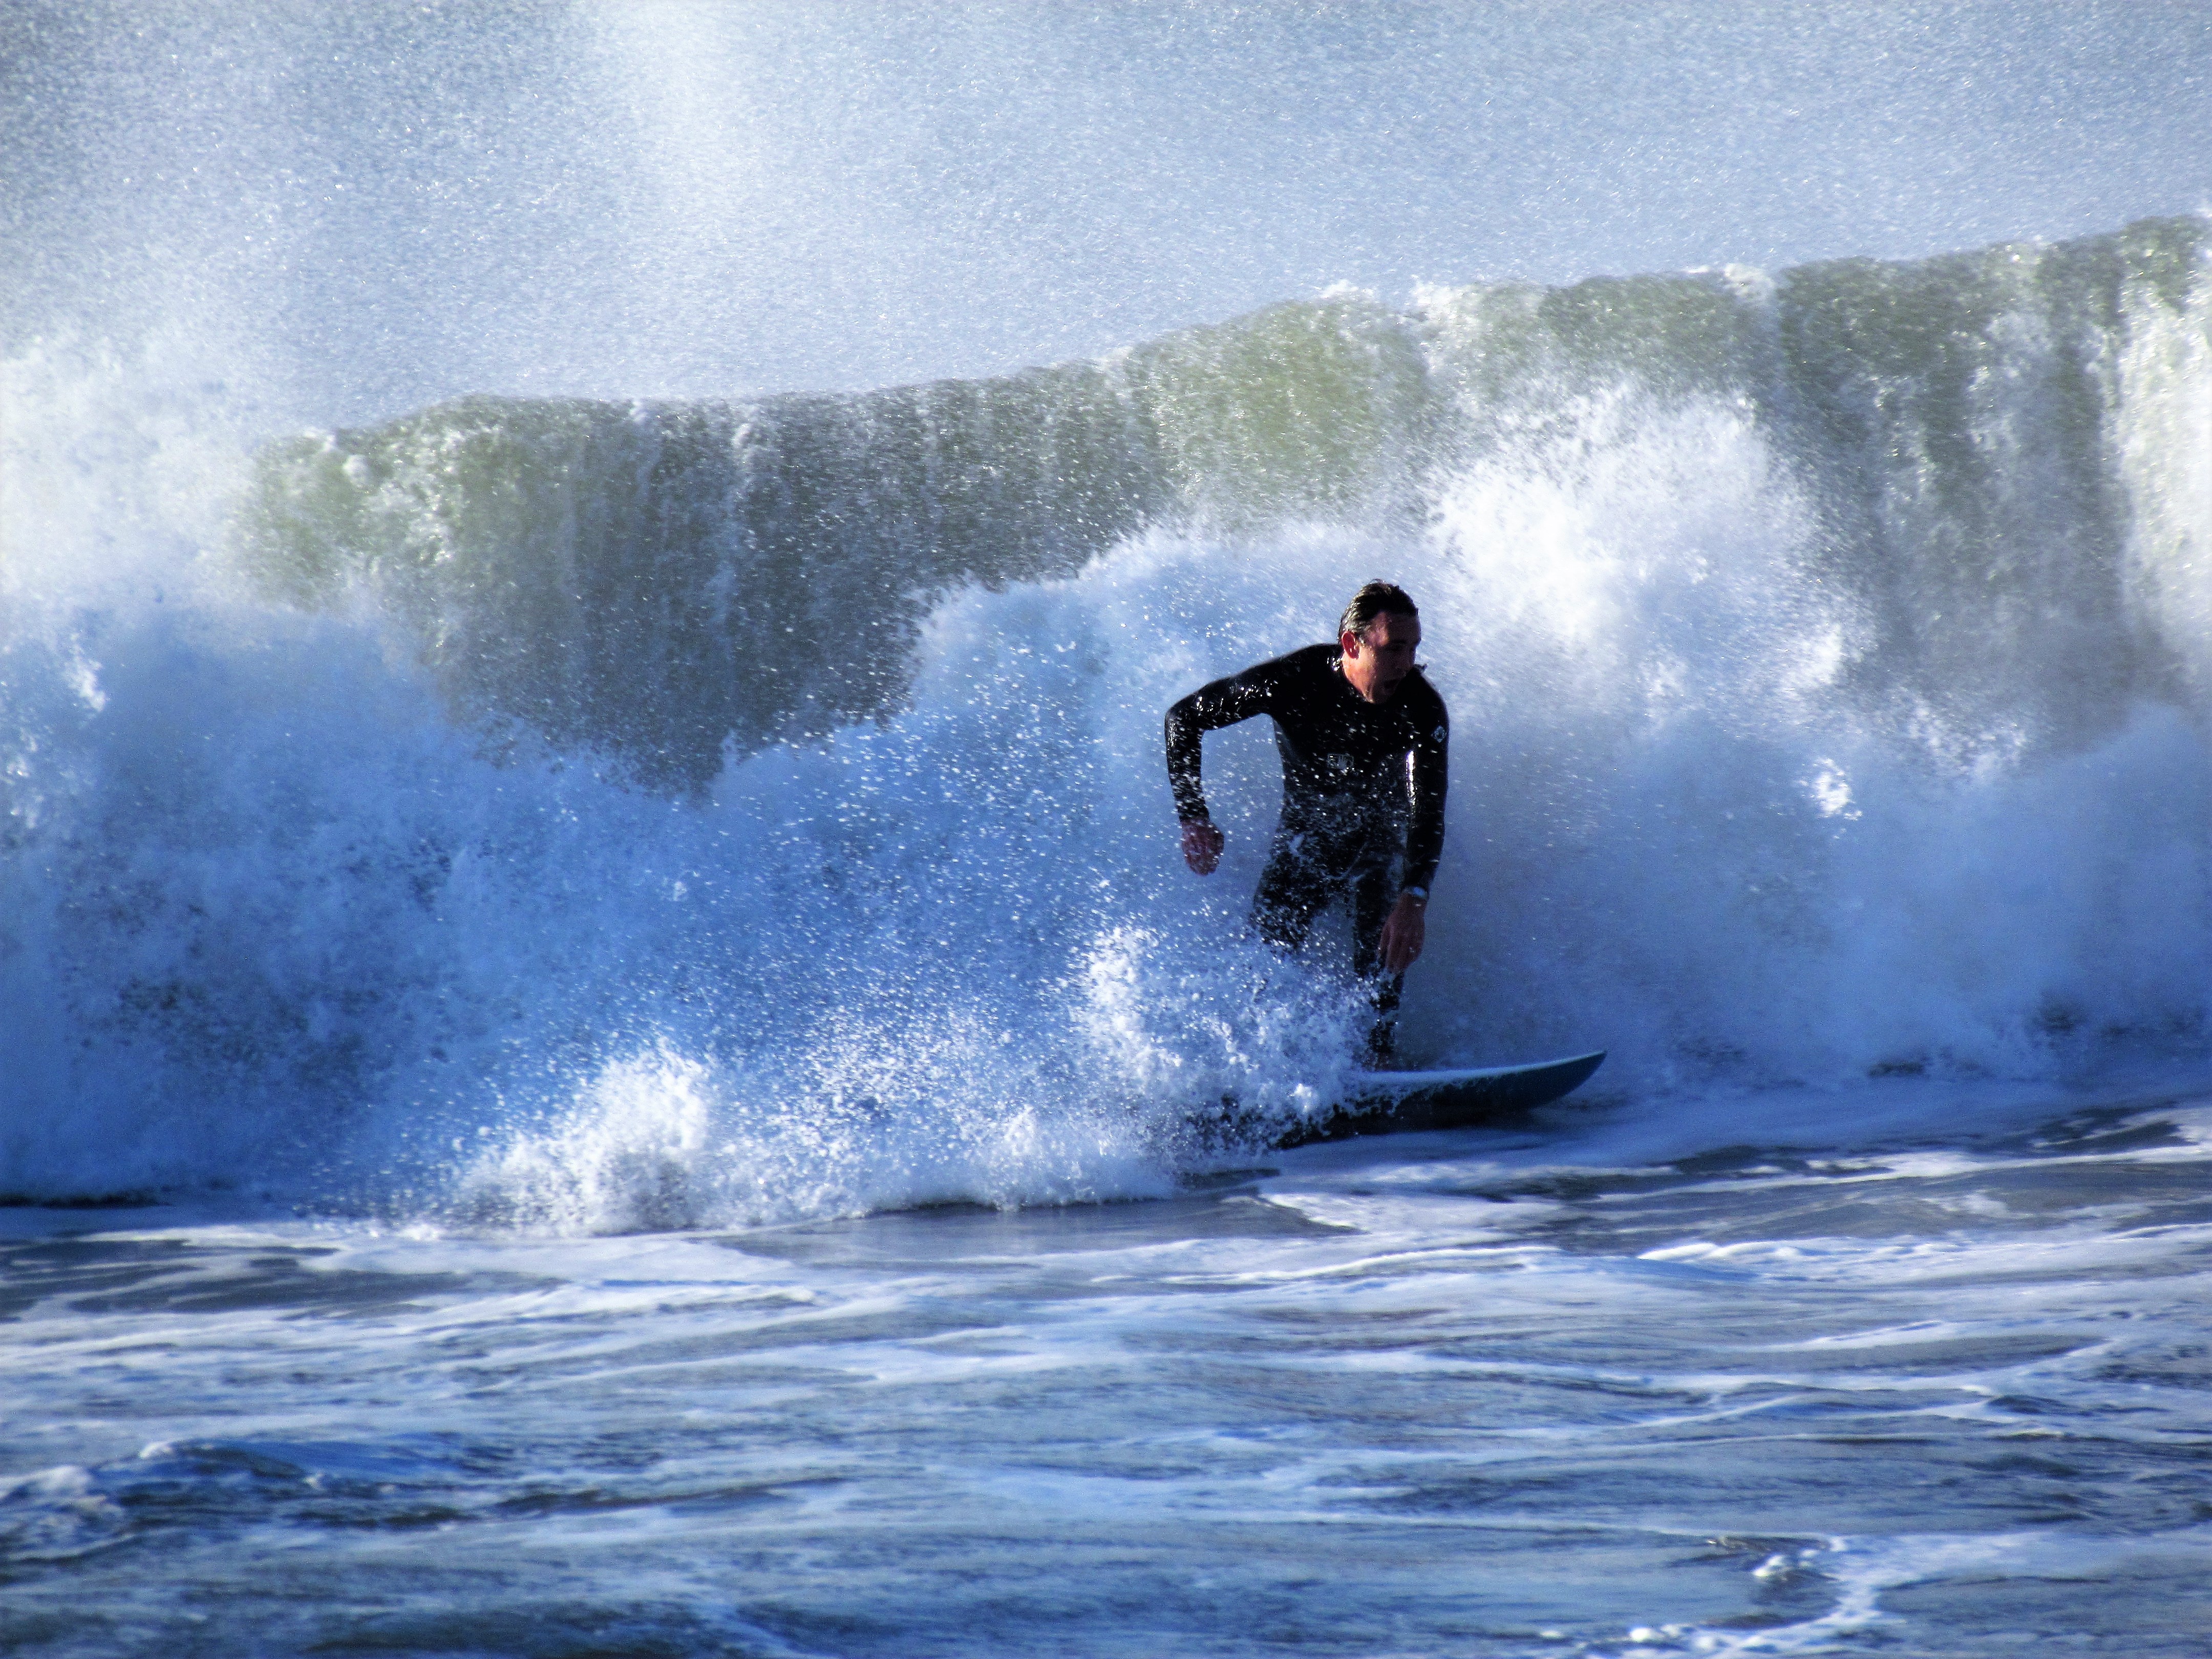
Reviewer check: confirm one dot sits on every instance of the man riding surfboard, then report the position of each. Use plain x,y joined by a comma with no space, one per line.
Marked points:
1363,735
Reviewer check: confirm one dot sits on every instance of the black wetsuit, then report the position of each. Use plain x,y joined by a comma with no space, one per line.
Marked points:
1363,789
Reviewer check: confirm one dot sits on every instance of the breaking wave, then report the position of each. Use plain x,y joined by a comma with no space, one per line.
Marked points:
596,816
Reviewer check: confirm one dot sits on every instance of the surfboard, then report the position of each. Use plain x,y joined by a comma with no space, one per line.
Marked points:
1399,1103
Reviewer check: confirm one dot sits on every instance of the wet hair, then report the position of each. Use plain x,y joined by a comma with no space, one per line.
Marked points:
1377,598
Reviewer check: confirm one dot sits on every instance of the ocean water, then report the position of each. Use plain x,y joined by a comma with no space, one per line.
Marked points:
1568,1388
600,1017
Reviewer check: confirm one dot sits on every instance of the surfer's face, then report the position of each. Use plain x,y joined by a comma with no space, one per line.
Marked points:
1376,661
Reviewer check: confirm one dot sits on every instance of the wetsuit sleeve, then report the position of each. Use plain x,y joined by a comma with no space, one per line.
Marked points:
1222,702
1426,778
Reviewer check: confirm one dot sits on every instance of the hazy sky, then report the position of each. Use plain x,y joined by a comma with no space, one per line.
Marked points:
393,203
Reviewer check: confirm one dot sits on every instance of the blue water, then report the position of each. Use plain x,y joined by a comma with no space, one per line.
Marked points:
598,1008
1477,1392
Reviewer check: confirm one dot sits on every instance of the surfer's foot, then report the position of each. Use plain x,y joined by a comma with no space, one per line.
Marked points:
1380,1051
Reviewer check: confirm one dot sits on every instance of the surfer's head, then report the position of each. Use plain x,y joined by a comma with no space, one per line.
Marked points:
1378,634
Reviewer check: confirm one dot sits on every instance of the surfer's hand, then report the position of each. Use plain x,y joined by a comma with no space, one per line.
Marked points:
1201,845
1403,932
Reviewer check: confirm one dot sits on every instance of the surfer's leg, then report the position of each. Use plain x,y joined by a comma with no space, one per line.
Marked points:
1374,890
1293,890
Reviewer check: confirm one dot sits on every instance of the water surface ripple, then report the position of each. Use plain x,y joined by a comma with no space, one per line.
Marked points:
1439,1395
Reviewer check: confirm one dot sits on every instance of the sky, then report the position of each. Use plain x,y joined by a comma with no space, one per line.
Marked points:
370,208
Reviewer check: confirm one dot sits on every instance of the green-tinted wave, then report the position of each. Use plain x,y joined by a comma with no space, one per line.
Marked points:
654,580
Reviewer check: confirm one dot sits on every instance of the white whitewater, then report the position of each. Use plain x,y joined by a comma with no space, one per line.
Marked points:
597,817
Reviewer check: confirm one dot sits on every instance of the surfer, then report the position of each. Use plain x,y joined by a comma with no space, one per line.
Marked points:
1363,735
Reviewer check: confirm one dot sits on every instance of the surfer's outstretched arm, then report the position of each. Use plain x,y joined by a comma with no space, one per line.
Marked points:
1218,703
1427,769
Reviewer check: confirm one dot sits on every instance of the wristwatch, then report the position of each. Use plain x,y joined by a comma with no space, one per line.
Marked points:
1420,893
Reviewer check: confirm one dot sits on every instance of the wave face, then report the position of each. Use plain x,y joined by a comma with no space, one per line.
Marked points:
595,816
